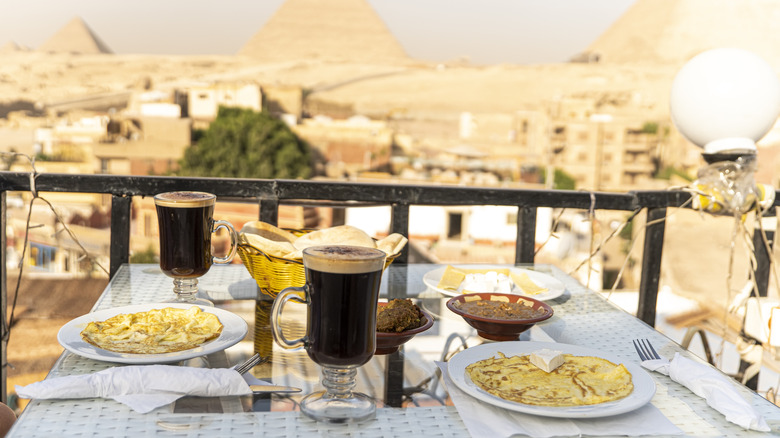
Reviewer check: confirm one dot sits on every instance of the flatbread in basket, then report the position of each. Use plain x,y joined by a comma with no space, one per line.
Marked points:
274,256
281,243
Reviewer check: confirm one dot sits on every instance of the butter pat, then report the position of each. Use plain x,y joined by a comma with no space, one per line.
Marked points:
547,360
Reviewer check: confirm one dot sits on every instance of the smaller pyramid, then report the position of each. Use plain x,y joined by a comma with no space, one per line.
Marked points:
75,37
10,47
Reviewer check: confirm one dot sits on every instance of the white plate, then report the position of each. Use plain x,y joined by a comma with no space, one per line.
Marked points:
644,386
555,287
234,328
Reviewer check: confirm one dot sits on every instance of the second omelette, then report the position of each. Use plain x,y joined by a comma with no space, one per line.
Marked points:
581,380
155,331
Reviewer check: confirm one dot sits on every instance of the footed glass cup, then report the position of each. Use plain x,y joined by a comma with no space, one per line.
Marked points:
341,293
186,224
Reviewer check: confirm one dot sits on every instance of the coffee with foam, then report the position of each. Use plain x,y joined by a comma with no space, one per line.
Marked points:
185,199
342,283
344,259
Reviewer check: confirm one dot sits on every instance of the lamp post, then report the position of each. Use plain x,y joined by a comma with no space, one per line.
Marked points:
724,101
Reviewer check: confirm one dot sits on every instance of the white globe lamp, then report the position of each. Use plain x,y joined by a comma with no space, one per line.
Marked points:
725,100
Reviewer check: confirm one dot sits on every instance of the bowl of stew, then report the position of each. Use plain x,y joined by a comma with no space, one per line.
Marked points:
390,335
499,316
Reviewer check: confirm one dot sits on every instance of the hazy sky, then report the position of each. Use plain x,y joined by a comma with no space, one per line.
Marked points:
487,31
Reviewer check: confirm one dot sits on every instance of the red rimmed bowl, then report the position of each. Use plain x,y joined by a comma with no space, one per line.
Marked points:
494,328
388,342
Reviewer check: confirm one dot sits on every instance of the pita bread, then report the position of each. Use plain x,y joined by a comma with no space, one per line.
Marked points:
280,243
392,244
268,231
340,235
269,239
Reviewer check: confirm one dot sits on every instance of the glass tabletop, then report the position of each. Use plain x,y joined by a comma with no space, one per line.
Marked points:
407,378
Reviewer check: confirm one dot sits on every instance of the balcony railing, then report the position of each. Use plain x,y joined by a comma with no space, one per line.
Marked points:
270,194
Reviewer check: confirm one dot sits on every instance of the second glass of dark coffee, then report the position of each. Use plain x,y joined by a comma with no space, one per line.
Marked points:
186,222
341,292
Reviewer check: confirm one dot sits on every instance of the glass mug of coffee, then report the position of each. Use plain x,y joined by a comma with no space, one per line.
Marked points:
341,293
186,223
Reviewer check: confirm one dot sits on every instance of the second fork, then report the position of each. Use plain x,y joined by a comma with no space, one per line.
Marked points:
645,350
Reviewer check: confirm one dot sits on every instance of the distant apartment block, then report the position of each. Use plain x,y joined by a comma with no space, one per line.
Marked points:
203,102
284,102
349,146
606,149
143,145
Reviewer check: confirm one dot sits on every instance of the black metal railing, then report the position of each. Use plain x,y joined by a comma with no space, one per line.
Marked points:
270,194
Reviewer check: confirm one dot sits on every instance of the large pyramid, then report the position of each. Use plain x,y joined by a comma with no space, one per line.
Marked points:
338,30
670,32
75,37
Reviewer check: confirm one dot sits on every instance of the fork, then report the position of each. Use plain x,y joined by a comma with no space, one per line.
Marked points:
645,350
250,363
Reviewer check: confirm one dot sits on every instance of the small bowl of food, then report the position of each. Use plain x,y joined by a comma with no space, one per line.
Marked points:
397,321
499,316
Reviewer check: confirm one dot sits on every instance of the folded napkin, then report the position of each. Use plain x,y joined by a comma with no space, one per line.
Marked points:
713,386
483,419
143,388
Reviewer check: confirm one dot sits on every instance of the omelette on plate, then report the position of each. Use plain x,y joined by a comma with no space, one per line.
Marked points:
578,381
155,331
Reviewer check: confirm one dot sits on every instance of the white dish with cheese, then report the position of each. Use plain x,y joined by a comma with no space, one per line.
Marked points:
453,280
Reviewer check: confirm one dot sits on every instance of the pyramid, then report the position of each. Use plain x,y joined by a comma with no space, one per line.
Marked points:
670,32
10,47
340,30
75,37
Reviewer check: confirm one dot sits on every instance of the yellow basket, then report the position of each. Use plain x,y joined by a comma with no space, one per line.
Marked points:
272,273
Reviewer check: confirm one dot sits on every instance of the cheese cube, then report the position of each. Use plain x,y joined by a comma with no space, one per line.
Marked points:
476,283
488,282
547,360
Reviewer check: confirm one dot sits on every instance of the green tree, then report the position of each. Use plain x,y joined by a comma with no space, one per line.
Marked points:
561,179
242,143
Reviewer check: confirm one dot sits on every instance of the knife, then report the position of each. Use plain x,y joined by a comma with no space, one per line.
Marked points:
274,388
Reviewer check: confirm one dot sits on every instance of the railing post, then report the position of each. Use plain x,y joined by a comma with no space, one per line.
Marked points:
651,264
394,378
4,328
525,246
763,264
761,273
269,211
120,232
399,223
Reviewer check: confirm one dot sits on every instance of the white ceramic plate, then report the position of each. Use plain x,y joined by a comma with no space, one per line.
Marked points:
644,386
234,329
555,287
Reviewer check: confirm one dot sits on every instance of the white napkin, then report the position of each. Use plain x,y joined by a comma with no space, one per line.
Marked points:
483,419
143,388
712,386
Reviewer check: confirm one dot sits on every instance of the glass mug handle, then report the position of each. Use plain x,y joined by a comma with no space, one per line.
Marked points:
233,241
288,294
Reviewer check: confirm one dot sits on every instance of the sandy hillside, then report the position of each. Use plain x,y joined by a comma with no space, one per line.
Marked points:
372,88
